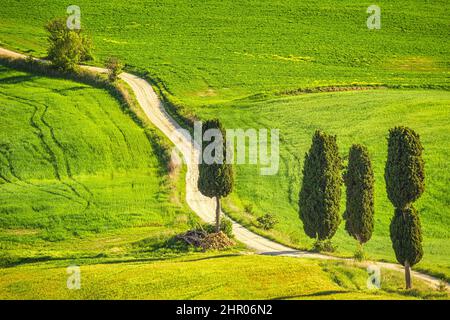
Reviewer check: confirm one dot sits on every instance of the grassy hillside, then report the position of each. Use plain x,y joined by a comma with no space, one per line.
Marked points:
215,51
73,163
355,117
206,276
226,59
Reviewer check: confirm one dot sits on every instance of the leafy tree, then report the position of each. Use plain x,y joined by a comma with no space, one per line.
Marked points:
406,237
215,179
404,176
67,47
320,194
404,172
359,182
115,68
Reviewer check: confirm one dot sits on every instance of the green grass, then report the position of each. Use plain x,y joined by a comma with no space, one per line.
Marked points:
355,117
73,163
205,276
216,51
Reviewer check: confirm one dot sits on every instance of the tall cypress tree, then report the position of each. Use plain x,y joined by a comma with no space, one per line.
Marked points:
359,182
404,176
215,179
320,194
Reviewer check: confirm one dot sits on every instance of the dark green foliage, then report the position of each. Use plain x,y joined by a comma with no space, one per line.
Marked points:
67,47
216,179
359,182
406,236
115,67
267,221
320,194
226,226
404,171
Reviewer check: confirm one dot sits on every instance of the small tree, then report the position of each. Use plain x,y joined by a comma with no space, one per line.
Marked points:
320,194
115,68
267,221
67,47
404,176
359,182
215,179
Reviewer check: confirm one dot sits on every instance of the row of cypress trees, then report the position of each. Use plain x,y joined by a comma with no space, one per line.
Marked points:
320,194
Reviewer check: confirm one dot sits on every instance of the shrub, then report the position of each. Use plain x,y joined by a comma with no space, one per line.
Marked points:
442,286
323,246
267,221
359,254
359,182
115,67
248,208
406,236
320,194
226,226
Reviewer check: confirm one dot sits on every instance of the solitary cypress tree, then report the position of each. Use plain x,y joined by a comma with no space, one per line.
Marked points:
404,176
215,179
359,182
320,193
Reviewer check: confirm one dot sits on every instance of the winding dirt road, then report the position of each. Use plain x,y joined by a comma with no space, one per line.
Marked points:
205,207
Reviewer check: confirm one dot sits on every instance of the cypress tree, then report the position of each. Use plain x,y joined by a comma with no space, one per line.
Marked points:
215,179
320,194
359,182
404,176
